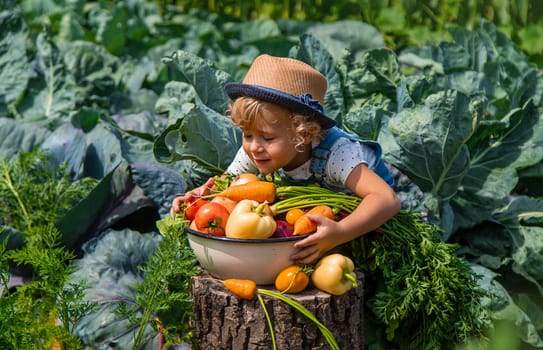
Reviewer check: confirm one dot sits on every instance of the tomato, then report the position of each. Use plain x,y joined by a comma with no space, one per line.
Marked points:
226,202
211,218
293,215
192,206
292,279
244,178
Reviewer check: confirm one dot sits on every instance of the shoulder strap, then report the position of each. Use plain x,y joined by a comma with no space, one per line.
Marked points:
322,152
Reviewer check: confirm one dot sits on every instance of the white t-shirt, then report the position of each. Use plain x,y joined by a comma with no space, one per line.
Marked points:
345,155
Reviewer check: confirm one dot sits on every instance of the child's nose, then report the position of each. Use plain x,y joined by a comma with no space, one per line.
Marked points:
256,145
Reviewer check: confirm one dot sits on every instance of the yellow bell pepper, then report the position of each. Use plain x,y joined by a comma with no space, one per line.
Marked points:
250,220
334,274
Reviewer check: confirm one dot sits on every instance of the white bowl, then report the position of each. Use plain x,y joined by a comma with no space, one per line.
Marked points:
259,260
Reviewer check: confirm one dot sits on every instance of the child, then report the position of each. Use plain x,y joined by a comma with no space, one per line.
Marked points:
278,107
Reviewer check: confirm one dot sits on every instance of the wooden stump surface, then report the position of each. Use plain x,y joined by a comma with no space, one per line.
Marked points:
222,320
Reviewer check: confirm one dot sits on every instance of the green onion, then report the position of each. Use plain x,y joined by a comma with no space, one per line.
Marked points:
268,320
327,334
310,196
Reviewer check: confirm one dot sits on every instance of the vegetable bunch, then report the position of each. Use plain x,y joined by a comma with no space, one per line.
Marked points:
423,286
251,208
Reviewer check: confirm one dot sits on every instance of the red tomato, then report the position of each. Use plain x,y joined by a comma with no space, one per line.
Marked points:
192,206
211,218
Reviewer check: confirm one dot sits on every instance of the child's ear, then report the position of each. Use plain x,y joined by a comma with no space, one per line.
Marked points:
312,131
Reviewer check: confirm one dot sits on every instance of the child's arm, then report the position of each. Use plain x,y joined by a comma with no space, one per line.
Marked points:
379,204
240,165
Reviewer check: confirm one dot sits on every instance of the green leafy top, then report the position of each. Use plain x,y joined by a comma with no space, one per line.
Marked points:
35,194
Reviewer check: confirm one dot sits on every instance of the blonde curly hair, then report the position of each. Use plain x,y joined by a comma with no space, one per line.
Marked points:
245,110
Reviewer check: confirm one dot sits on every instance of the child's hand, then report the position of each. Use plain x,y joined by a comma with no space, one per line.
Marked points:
318,243
197,192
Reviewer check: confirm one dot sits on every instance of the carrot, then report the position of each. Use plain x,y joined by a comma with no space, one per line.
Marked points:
55,344
245,289
260,191
304,225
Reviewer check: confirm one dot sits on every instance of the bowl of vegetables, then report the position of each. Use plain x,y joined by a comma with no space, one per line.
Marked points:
253,236
260,260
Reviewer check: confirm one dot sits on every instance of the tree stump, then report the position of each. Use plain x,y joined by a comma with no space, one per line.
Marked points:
222,320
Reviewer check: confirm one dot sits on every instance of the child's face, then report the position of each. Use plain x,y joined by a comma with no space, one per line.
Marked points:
269,141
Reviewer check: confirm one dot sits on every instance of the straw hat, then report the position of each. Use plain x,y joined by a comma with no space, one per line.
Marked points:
286,82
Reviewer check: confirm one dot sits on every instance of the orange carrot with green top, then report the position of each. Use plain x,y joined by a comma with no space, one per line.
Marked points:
304,225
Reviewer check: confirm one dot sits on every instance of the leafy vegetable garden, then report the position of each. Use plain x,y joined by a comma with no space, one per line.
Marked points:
110,109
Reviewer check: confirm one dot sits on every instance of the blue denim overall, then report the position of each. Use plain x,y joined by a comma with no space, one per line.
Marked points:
322,152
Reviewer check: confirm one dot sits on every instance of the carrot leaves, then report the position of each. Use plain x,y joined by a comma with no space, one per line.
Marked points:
427,296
